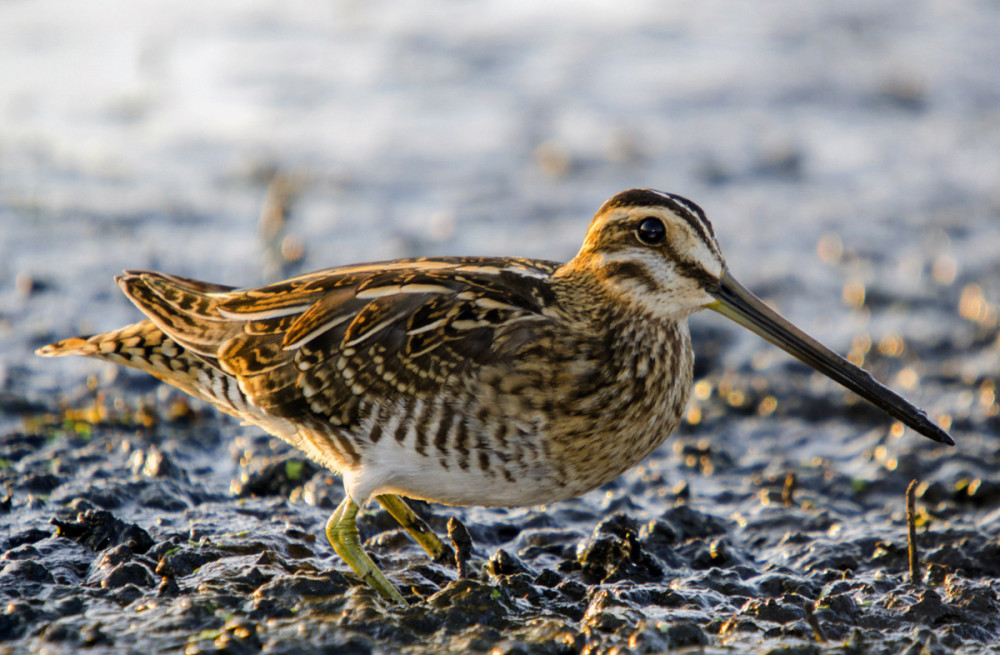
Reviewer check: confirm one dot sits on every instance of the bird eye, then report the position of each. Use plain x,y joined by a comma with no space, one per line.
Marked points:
651,231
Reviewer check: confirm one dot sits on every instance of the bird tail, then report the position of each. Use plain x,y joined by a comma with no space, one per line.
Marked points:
146,347
129,346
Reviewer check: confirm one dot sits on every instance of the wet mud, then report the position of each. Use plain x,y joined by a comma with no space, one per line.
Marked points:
154,531
848,155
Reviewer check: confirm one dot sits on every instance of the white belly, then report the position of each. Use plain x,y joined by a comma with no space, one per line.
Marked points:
398,469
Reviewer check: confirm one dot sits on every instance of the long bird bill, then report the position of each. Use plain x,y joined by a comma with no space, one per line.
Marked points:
736,302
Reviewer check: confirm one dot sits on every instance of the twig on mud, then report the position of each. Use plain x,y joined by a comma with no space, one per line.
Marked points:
462,541
911,525
788,490
813,622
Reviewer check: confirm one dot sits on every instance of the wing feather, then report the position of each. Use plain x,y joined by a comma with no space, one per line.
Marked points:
332,345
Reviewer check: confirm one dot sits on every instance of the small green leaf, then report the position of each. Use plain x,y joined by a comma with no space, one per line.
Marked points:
293,468
208,634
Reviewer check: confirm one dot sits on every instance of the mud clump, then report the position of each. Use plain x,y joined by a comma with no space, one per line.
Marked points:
99,529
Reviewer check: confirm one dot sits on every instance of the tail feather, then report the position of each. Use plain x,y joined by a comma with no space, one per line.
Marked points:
187,342
185,309
119,346
146,347
72,346
186,283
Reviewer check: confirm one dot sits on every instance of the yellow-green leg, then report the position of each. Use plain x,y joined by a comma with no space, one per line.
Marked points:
418,529
342,531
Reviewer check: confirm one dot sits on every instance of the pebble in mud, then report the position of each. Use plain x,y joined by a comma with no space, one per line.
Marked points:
773,610
663,637
26,574
614,553
275,478
155,463
129,573
837,608
98,529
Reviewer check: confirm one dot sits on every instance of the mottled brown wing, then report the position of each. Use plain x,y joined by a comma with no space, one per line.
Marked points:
331,344
185,309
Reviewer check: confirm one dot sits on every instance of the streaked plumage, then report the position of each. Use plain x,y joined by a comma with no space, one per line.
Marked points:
465,380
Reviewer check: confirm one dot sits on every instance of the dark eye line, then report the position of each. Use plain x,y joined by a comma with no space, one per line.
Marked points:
631,270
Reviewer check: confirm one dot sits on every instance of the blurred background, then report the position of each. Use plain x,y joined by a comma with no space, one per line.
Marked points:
848,152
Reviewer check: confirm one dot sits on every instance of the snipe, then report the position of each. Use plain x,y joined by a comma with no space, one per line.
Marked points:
466,380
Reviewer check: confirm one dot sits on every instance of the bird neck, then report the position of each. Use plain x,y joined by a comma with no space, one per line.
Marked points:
636,340
587,294
636,371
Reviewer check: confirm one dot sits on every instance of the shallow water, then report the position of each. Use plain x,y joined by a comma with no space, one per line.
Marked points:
848,154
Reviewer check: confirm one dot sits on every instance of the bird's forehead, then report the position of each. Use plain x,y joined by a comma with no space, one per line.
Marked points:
648,198
634,203
652,200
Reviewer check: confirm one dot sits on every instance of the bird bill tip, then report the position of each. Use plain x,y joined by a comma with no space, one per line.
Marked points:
738,304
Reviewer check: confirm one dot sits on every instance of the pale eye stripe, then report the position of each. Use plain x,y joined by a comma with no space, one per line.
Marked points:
312,334
681,202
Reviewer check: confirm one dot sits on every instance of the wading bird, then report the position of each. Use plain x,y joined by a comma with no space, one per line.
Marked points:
466,380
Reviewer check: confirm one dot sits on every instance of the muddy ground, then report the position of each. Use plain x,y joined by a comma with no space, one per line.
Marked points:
848,154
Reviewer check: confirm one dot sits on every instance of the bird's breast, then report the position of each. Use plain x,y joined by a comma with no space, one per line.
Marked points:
561,418
620,413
